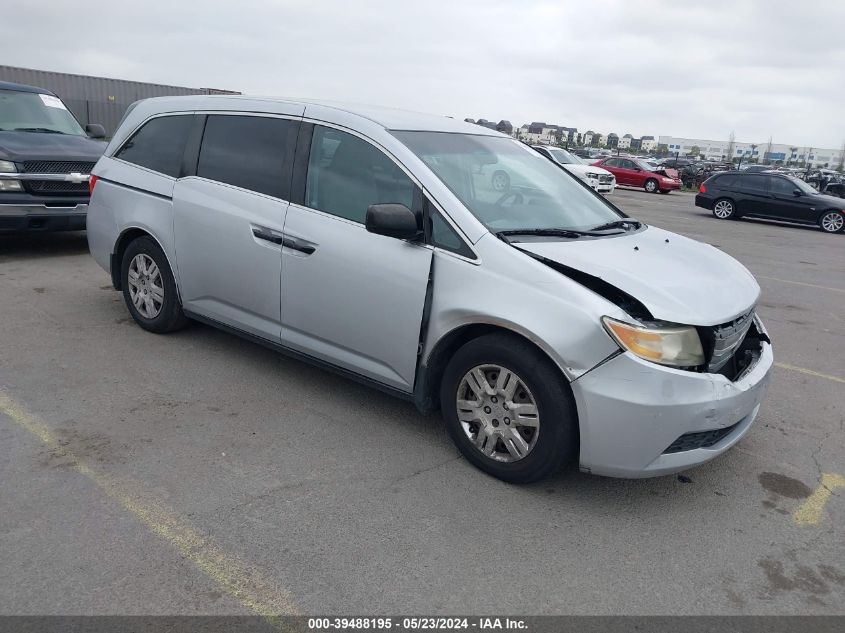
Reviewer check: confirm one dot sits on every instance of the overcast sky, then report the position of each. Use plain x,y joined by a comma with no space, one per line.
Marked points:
697,68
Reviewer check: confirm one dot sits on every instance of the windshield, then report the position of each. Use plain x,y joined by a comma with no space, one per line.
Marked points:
507,185
563,157
800,184
33,112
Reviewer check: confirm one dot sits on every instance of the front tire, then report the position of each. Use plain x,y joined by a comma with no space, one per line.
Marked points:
724,209
508,409
149,289
832,222
651,185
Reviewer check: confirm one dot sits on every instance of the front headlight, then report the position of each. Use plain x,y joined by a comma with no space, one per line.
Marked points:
593,175
665,344
7,167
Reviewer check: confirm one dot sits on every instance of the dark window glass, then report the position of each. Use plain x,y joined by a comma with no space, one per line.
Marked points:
782,186
627,164
753,183
444,236
246,151
159,144
347,174
612,162
725,182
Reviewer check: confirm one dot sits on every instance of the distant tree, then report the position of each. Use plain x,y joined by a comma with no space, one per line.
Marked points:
558,136
731,146
792,152
695,150
752,158
841,165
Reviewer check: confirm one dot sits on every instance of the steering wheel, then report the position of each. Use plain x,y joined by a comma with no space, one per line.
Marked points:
517,198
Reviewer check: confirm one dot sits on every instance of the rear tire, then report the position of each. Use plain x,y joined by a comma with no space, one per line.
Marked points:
149,289
724,209
651,186
832,222
523,425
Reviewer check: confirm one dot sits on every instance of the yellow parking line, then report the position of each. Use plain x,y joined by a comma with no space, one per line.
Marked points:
810,372
800,283
810,512
238,579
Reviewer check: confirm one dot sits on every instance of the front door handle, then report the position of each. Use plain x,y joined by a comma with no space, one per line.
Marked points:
298,245
264,234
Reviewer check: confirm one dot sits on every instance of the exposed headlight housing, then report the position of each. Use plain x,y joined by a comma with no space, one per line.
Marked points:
7,167
593,175
661,343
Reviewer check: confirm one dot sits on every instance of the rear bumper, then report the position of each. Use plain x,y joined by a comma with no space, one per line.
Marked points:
40,217
705,202
631,412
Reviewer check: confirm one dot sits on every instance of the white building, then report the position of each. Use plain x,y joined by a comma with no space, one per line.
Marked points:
625,141
648,144
786,154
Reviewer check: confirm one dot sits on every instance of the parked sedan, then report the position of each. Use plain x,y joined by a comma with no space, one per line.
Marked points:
732,195
632,172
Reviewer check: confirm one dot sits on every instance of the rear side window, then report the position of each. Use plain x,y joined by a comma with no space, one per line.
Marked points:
753,183
725,182
346,174
782,186
247,152
158,145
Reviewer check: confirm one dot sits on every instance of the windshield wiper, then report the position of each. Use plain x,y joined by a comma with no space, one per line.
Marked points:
45,130
547,232
618,224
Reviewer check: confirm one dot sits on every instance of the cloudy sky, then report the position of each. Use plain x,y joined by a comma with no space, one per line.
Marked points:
697,68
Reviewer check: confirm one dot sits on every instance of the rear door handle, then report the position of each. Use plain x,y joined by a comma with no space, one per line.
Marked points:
298,245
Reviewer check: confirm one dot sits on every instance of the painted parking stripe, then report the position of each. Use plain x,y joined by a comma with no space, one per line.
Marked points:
244,583
800,283
810,372
810,512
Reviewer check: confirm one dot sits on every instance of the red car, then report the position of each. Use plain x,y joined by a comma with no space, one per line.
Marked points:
631,172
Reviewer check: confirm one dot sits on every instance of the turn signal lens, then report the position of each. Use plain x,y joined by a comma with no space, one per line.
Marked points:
665,344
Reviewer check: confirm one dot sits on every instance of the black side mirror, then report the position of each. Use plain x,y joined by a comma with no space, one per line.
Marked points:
95,130
393,220
796,192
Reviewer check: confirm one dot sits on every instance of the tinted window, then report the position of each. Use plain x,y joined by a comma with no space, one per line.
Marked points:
347,174
725,182
247,151
612,162
782,186
753,183
159,144
444,236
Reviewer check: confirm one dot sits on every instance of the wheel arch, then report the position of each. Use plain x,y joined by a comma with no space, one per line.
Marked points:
126,237
431,369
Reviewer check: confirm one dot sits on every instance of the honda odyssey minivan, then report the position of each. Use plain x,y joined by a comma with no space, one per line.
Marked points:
545,324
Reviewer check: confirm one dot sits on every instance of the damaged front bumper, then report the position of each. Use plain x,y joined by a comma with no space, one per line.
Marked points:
639,419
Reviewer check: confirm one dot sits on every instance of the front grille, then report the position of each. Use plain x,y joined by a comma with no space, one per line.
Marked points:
58,166
605,179
725,339
701,439
57,187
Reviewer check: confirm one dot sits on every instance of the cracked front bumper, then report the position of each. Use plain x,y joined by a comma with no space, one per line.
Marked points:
631,411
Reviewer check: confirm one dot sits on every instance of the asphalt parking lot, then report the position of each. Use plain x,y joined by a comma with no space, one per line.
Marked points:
198,473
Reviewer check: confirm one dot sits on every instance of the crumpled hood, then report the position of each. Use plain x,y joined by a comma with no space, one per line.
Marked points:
676,278
21,146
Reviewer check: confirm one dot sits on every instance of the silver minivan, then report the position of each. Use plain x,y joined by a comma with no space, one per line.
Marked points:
546,324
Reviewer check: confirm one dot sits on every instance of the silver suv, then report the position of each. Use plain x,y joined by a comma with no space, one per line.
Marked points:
546,324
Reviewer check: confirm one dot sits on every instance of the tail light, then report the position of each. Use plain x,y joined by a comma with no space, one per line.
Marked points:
701,188
92,180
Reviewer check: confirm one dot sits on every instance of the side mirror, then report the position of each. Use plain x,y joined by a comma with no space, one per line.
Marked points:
393,220
95,130
796,192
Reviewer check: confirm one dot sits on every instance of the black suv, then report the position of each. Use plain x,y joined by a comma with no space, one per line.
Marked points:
45,161
775,196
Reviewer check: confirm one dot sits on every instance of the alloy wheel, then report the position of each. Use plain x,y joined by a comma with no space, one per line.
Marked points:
498,413
832,222
146,287
723,209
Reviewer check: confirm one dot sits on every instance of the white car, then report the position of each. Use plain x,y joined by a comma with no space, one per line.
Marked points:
599,179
